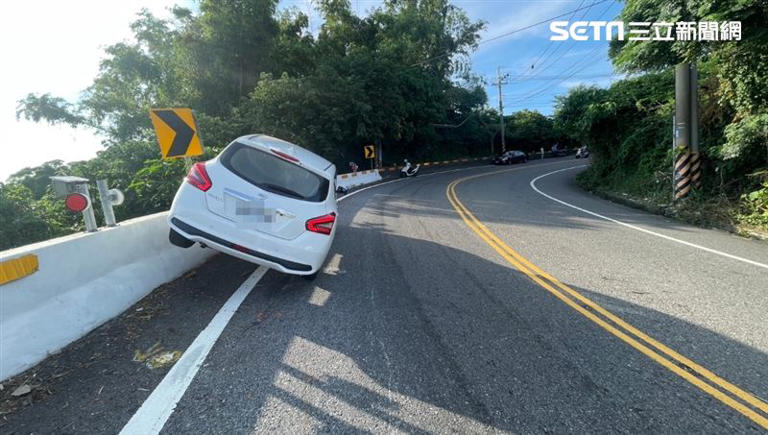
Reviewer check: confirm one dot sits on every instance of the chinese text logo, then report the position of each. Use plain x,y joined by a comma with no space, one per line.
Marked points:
646,31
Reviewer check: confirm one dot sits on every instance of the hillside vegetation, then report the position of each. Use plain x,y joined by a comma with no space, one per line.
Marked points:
628,126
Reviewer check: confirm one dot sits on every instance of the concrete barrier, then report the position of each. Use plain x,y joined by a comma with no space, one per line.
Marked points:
354,179
82,281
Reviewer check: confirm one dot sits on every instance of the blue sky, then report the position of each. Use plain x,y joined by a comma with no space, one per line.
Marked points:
539,69
64,65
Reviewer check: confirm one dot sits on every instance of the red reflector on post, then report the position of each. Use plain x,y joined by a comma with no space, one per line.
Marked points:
322,224
198,177
76,202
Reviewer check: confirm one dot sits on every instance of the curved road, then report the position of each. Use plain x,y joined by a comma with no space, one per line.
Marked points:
463,302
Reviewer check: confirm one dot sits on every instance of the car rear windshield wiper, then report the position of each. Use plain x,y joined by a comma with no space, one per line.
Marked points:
280,189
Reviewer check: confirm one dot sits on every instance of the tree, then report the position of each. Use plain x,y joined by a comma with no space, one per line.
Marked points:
529,131
23,222
38,179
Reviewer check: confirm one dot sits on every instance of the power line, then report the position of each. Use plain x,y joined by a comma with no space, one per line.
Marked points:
572,44
503,35
555,77
574,67
512,32
546,88
551,42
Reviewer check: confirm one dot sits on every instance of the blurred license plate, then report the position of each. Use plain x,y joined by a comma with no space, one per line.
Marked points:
243,208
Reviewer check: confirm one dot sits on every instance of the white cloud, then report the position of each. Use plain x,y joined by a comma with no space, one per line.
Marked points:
599,82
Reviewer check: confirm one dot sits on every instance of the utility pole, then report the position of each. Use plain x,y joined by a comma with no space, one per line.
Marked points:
687,171
499,82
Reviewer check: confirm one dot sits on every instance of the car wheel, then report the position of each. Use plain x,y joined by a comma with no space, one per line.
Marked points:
310,277
179,240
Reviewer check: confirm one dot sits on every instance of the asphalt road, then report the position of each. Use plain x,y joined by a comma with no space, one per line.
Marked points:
421,323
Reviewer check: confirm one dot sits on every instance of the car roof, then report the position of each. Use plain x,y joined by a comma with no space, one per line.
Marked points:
306,158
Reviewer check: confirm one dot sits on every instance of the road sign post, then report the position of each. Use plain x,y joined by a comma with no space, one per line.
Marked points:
177,133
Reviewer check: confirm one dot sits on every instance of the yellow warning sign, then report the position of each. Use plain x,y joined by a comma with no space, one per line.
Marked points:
176,132
369,151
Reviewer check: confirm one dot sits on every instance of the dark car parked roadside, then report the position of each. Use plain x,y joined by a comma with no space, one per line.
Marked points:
509,157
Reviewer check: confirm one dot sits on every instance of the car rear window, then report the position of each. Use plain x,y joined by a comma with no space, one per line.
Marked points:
274,174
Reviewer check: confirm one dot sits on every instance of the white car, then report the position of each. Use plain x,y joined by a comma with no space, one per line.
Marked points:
261,199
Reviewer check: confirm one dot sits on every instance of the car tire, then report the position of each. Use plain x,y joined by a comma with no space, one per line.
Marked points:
179,240
310,277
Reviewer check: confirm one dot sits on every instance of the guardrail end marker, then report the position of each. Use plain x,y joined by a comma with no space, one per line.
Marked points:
17,268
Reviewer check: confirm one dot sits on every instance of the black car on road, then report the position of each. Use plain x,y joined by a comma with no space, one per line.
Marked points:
509,157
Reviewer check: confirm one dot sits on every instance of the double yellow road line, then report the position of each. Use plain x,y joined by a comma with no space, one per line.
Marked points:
731,395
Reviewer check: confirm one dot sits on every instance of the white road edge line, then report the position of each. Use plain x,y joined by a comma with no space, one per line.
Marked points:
158,407
634,227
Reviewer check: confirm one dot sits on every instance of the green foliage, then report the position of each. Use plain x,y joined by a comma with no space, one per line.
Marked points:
37,179
49,108
747,137
24,219
151,183
755,206
640,56
529,131
628,126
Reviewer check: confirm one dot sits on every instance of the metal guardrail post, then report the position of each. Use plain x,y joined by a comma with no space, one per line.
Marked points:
106,203
88,215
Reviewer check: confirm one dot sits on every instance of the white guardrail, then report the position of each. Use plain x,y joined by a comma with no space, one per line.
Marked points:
354,179
83,280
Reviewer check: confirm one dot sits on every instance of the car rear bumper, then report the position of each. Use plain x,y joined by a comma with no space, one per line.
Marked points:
239,251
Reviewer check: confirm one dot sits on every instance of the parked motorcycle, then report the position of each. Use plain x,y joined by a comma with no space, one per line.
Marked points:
409,170
582,153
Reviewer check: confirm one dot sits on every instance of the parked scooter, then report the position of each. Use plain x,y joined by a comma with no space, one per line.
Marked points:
582,153
408,170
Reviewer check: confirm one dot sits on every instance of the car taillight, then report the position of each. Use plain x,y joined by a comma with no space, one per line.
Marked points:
198,177
322,224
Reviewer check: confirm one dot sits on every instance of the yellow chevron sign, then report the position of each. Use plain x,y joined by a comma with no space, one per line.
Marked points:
176,131
369,151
